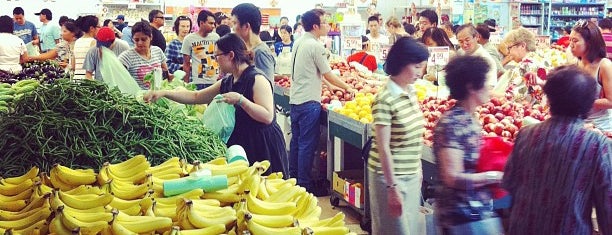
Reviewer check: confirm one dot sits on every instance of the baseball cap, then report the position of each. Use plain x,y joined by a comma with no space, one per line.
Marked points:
120,17
45,12
105,37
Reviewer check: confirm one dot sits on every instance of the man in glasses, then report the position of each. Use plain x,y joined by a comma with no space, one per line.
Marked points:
156,18
468,41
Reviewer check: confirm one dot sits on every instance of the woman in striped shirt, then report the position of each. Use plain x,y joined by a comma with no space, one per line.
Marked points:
394,164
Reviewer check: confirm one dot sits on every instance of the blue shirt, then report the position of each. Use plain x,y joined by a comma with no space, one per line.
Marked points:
174,55
127,35
26,32
278,47
48,35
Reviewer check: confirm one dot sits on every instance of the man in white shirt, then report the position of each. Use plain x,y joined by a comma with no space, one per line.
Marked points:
468,40
377,40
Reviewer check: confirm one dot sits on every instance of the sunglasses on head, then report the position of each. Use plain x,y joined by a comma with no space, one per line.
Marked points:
582,23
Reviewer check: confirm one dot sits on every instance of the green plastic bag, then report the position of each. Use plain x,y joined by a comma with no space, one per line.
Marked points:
220,118
115,74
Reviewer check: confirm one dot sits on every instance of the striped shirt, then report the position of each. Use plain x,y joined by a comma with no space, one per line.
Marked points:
557,173
139,66
81,47
399,109
608,39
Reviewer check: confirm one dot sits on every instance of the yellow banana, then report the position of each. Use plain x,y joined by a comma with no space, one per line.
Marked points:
57,183
127,191
193,194
39,227
309,209
326,230
169,212
287,194
17,205
36,202
26,194
168,176
44,178
166,168
85,201
12,216
258,206
26,221
275,175
258,229
133,211
173,161
56,226
124,204
262,166
273,221
131,163
224,198
253,185
135,174
103,176
231,169
14,189
262,192
74,177
186,166
211,230
85,189
232,180
118,229
86,216
273,188
143,224
218,161
33,172
73,223
200,221
40,189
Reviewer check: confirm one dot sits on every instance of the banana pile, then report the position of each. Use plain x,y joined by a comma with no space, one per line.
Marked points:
127,198
9,92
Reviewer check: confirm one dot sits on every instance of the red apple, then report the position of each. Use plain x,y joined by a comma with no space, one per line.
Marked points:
499,128
499,116
339,93
506,134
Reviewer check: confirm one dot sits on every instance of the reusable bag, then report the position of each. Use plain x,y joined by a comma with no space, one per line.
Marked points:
220,118
114,74
493,157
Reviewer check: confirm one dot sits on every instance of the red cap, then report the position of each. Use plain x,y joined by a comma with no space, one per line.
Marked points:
105,34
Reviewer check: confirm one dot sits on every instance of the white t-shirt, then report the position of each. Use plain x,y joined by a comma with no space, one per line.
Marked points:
204,69
492,74
11,49
376,45
81,47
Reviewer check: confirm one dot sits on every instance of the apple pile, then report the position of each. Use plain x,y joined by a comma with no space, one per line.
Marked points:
360,85
283,81
433,108
343,67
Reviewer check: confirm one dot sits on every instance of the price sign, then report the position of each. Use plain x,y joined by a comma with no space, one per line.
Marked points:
352,43
543,41
131,5
438,55
495,38
384,51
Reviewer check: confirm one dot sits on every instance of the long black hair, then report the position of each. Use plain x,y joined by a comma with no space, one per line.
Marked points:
87,22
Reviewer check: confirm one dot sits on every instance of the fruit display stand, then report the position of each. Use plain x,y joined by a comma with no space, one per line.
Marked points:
342,129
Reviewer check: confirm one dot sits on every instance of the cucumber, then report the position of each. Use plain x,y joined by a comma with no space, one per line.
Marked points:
7,98
5,85
23,83
26,89
7,92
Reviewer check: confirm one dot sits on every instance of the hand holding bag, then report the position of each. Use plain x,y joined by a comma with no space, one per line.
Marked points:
220,118
480,219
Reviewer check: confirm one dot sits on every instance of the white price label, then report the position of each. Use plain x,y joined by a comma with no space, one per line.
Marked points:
131,5
543,41
385,51
438,55
495,38
352,43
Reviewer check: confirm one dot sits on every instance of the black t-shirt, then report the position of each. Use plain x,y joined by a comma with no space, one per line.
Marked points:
158,39
121,26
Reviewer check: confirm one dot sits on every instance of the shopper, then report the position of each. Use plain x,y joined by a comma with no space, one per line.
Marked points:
121,22
436,37
126,33
24,29
93,60
246,18
63,51
468,40
222,19
484,32
556,182
251,93
309,67
144,58
284,21
49,33
63,19
89,26
394,163
109,23
362,56
606,32
427,19
448,28
286,40
182,27
198,49
12,49
223,30
587,44
563,41
157,20
395,30
376,40
462,197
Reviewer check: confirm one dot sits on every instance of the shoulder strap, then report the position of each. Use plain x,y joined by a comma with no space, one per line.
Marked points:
365,55
293,62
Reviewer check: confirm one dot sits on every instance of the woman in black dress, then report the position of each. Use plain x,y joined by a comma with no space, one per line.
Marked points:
250,92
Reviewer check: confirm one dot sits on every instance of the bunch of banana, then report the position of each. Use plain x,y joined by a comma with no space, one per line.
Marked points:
31,217
212,230
308,208
332,225
199,216
13,197
170,169
140,224
40,189
130,207
66,179
217,168
255,228
258,206
31,174
81,201
226,196
126,189
36,204
133,170
37,228
87,222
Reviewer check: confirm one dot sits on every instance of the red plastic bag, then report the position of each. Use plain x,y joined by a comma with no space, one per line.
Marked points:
493,157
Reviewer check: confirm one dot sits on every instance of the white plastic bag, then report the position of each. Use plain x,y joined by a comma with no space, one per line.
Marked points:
115,74
220,118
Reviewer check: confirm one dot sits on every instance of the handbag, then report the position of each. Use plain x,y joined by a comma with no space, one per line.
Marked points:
480,219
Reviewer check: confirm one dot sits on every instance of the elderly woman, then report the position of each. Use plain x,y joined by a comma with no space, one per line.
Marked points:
555,182
589,47
462,197
519,46
12,49
143,58
394,164
251,93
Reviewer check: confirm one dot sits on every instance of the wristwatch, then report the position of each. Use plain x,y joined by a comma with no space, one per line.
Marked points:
492,177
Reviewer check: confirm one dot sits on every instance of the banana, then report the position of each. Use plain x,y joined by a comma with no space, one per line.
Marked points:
173,161
74,177
231,169
33,172
118,229
103,176
193,194
200,221
326,230
143,224
275,175
39,227
258,206
36,202
218,161
56,227
169,212
17,205
26,194
72,223
130,163
272,187
288,194
211,230
224,198
253,185
262,166
171,165
258,229
85,189
26,221
12,216
14,189
310,209
272,221
323,223
89,217
85,201
40,189
124,204
127,191
232,180
133,211
134,173
57,183
262,192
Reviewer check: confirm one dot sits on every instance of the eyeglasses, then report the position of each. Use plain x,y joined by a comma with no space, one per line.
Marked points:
216,56
159,17
182,18
513,45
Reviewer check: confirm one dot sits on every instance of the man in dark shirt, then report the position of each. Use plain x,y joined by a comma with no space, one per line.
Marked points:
156,17
120,22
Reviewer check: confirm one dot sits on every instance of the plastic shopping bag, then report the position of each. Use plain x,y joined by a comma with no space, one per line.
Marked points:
115,74
493,157
219,117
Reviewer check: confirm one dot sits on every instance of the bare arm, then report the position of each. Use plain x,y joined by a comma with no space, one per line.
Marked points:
204,96
164,67
451,171
335,80
49,55
23,57
187,67
88,75
262,109
606,80
383,139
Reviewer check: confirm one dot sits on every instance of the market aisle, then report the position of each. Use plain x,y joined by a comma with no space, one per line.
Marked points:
352,217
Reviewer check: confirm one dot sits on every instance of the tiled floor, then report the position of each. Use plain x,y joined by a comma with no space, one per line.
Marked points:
352,217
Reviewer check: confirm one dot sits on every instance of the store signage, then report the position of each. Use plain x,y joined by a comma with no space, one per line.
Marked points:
543,41
438,56
352,43
384,51
495,38
132,5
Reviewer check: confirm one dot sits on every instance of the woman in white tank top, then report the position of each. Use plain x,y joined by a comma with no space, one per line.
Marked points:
89,25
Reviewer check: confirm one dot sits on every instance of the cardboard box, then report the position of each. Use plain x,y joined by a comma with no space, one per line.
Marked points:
356,194
343,179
